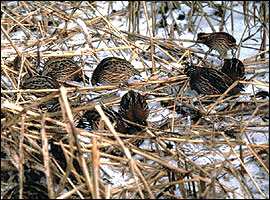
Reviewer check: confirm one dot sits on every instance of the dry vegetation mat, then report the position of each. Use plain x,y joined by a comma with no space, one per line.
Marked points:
194,146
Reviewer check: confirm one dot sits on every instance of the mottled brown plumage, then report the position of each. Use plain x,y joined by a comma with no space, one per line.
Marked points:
234,68
91,119
113,70
56,107
40,82
219,41
61,67
133,107
210,81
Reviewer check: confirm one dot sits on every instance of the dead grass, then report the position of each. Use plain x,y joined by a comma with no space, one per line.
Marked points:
160,171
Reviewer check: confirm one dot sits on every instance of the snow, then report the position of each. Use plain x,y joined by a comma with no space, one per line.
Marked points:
118,178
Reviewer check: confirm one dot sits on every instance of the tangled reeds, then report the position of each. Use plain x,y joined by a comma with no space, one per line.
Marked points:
194,146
